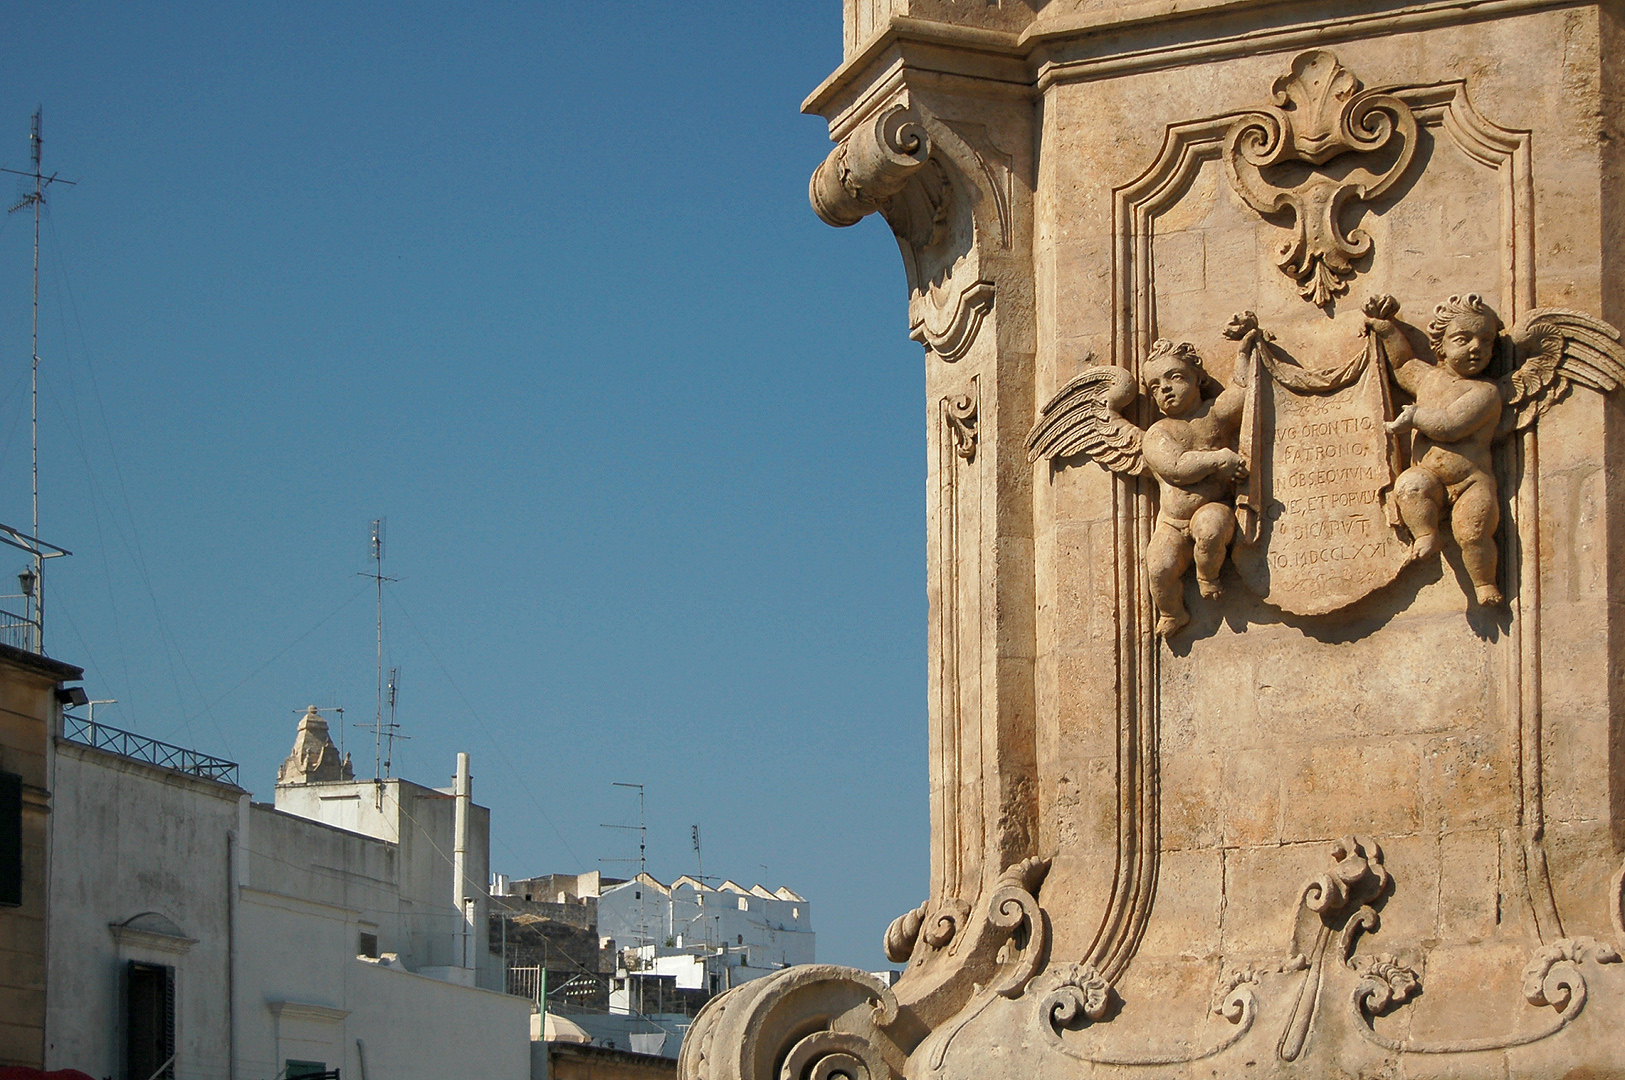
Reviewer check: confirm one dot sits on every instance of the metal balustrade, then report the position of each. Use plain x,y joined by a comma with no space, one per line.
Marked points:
152,751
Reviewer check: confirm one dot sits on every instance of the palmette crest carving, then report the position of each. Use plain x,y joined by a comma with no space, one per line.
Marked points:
1320,115
1330,480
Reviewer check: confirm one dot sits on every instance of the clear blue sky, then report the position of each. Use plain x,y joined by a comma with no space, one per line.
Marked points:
539,284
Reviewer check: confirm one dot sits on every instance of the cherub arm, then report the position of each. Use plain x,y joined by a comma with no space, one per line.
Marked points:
1231,402
1478,405
1228,405
1473,410
1170,461
1406,366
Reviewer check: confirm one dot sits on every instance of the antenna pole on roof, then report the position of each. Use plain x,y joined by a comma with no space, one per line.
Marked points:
379,761
643,849
36,199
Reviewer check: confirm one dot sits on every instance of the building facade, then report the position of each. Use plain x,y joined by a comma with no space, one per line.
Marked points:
198,934
30,714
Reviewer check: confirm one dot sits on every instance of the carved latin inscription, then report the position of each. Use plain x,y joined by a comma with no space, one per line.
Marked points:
1324,539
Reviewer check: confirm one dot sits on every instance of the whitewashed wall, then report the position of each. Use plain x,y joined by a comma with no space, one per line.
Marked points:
131,839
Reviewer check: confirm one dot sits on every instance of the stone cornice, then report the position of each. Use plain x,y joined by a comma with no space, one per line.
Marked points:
129,936
1116,42
300,1010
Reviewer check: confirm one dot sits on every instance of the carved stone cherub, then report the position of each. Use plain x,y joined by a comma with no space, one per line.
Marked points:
1191,451
1457,416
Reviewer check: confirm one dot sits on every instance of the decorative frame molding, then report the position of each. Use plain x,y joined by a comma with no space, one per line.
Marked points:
1437,107
956,437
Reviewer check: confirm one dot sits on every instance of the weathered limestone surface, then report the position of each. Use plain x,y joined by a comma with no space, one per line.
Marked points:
1276,541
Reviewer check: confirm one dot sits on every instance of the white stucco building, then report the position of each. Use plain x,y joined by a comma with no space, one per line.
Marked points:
771,929
246,939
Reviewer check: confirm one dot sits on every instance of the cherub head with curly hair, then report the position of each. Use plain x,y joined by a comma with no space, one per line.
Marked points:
1463,333
1174,377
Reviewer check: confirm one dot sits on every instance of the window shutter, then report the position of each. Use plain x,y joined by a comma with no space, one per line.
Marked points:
149,1021
11,840
169,1020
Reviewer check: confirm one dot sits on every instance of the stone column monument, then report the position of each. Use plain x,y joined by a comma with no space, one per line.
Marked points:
1276,541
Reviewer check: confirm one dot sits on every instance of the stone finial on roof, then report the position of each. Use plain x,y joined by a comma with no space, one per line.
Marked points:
314,757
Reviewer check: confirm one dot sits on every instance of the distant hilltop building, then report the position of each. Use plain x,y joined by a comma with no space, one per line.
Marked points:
769,930
651,953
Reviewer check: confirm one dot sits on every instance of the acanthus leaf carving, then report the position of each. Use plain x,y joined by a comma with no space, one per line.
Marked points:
1320,114
1080,996
1554,978
946,923
1335,902
959,412
1014,909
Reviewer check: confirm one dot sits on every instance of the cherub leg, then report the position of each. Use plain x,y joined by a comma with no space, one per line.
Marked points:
1166,557
1474,518
1420,498
1212,526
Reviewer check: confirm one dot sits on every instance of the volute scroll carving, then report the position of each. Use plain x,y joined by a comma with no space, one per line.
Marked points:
1320,114
925,927
869,166
809,1022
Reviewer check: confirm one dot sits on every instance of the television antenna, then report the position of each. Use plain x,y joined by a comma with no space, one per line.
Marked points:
379,577
36,199
642,860
699,860
391,729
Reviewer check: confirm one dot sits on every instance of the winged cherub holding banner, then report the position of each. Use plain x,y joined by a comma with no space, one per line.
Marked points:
1191,451
1457,415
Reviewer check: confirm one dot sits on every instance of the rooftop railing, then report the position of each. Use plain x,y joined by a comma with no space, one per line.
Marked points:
153,752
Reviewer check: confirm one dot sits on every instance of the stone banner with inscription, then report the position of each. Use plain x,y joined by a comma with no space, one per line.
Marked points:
1322,472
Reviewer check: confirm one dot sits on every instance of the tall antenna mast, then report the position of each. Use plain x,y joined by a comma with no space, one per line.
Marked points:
36,199
389,739
379,578
643,848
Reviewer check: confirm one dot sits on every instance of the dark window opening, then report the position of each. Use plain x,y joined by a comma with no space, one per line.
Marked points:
740,938
149,1021
11,840
309,1070
368,945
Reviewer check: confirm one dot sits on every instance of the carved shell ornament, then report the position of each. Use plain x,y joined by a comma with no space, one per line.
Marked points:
1356,143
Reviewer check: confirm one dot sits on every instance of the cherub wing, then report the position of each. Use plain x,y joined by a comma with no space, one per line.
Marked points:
1085,418
1554,349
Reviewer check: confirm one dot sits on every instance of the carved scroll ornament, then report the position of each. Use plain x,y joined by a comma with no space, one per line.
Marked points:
869,167
820,1021
1355,144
